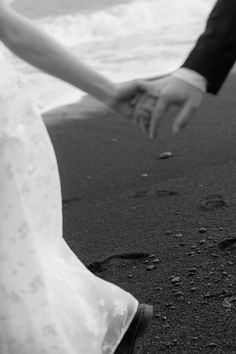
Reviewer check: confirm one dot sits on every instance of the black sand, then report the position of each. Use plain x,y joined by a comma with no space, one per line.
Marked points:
120,198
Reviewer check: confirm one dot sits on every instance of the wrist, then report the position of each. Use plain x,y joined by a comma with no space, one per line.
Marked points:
191,77
110,93
106,91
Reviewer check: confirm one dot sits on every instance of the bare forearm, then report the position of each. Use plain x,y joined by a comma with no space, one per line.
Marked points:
37,48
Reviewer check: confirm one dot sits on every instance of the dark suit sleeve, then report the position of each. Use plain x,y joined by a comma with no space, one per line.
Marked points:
215,51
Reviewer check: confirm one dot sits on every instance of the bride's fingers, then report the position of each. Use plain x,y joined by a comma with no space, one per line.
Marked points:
144,122
147,104
138,107
134,101
143,112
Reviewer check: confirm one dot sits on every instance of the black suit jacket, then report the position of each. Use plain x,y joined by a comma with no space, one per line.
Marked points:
215,51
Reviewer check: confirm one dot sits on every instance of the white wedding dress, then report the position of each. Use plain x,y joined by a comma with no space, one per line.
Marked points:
49,302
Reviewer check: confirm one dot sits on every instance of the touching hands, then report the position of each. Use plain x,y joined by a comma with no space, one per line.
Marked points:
146,103
126,96
160,96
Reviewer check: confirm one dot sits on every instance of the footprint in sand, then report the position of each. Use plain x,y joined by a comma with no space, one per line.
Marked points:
213,202
227,243
99,266
68,200
158,193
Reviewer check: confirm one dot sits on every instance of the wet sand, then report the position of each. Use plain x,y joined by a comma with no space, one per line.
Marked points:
162,219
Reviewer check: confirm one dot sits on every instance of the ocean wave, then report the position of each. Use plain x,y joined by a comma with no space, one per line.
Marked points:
123,20
143,38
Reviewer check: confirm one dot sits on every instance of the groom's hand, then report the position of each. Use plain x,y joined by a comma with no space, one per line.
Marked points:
169,92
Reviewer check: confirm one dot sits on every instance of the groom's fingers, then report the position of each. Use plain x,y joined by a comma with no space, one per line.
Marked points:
157,116
182,118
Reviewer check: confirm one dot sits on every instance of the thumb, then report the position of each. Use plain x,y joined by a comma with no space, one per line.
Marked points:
182,118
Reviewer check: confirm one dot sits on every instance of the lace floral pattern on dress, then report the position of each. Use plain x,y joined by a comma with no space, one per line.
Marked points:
49,302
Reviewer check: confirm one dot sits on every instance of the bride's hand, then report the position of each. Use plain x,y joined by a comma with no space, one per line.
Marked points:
135,100
126,96
144,107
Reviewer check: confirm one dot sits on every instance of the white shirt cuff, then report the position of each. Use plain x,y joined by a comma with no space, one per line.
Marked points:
191,77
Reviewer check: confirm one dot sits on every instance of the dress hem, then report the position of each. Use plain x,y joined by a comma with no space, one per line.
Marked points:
125,328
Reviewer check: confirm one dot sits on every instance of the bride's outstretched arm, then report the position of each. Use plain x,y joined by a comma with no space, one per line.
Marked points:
36,47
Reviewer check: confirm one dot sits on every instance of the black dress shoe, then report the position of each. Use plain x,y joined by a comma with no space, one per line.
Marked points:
136,329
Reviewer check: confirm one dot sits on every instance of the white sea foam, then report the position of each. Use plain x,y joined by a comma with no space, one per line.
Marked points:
137,39
141,16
